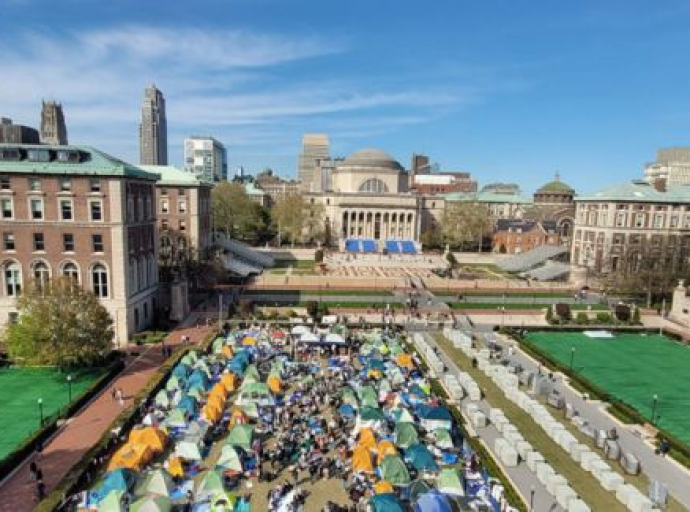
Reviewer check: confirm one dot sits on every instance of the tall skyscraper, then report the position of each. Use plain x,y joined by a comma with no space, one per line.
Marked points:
53,128
153,130
206,158
315,147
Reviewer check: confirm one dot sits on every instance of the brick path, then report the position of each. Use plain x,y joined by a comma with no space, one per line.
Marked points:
86,427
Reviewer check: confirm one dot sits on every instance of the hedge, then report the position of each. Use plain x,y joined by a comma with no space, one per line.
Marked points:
81,475
15,458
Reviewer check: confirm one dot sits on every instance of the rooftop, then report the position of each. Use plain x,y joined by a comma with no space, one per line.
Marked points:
488,197
640,192
371,157
174,177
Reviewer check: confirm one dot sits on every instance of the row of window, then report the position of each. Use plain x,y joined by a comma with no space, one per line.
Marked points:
181,206
36,184
41,273
65,209
637,220
39,243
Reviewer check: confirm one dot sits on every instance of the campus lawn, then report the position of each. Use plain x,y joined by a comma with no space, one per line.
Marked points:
513,305
20,389
632,368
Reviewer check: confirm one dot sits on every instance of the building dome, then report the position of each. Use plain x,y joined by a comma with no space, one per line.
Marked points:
371,158
556,187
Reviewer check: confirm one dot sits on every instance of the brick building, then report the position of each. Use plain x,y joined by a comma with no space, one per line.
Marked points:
514,236
77,212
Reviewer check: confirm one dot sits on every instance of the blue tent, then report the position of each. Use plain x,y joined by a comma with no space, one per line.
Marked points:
416,390
198,378
181,371
420,457
386,503
117,480
188,404
432,501
375,364
427,412
347,411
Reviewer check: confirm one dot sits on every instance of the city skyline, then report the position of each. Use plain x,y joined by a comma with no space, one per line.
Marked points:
509,92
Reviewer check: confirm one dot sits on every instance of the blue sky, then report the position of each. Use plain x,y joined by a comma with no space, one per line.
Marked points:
509,90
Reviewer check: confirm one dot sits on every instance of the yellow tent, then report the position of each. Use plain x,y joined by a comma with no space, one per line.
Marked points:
238,417
367,438
249,340
227,351
383,487
374,374
229,382
152,437
404,360
385,448
361,460
175,467
219,389
131,456
274,384
212,413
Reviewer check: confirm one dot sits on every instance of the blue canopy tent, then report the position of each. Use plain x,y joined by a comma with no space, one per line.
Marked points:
181,371
420,457
188,404
432,501
117,480
386,503
347,411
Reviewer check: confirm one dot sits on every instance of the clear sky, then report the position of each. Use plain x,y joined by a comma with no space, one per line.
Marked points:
509,90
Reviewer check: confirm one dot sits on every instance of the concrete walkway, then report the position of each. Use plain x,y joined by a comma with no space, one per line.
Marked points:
665,470
82,431
523,479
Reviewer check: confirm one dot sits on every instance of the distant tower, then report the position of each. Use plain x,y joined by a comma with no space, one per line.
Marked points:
53,129
315,148
153,130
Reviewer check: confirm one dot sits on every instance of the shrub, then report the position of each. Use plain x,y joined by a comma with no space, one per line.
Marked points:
603,318
582,318
636,317
452,261
549,315
318,256
563,311
622,312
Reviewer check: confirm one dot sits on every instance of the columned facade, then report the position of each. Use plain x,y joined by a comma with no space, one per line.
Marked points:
378,225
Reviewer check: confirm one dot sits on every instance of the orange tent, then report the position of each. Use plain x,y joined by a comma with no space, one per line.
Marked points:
367,438
212,413
175,467
249,340
404,360
275,385
131,456
227,351
238,417
385,448
216,402
229,382
152,437
219,389
383,487
361,460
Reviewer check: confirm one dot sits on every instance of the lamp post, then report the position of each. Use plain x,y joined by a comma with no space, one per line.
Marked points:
531,498
69,388
572,357
655,399
40,411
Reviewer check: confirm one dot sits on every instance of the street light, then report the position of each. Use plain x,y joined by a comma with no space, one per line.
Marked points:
69,388
40,411
531,497
655,399
572,357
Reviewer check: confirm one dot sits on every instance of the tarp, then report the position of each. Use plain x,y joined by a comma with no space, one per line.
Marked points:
241,436
162,399
227,351
152,437
361,460
405,434
432,502
393,469
298,330
334,339
151,504
385,503
309,337
157,482
188,404
368,396
449,482
420,457
212,413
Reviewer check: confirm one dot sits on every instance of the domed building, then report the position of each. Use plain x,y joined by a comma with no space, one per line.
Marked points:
555,193
555,201
369,171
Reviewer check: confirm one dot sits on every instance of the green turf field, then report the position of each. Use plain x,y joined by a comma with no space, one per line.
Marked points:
632,368
20,389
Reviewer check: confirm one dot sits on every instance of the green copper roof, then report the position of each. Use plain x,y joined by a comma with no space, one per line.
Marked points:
174,177
487,197
556,186
640,192
97,163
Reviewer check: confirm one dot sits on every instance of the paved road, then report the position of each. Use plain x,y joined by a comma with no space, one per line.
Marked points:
658,468
521,476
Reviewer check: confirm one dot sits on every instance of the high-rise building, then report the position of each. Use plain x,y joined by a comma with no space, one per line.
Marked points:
672,167
53,128
315,148
153,130
206,158
16,133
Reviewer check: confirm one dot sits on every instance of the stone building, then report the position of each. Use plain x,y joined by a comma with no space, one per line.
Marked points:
315,148
626,223
53,127
499,204
275,186
17,134
153,130
77,212
555,201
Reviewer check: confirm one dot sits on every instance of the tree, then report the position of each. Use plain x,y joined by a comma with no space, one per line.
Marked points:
451,259
465,224
297,219
327,235
432,238
59,324
236,215
563,311
318,256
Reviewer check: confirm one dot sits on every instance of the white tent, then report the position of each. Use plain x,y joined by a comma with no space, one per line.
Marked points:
329,319
299,330
309,337
334,338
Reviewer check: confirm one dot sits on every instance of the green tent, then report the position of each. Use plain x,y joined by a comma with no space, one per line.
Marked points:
172,384
449,482
151,504
417,488
112,502
396,376
255,392
156,481
405,434
188,450
394,470
348,396
250,409
384,385
218,344
402,415
229,459
223,501
368,396
371,414
251,374
197,391
442,438
189,358
241,436
209,485
175,418
162,399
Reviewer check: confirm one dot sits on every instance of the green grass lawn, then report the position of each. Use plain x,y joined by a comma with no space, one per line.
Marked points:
330,303
20,389
513,305
632,368
303,264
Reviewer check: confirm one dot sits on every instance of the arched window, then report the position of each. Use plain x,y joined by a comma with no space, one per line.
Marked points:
12,273
99,280
373,186
70,271
41,273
